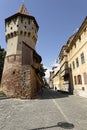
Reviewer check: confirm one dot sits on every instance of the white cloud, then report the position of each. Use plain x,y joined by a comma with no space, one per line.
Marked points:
47,73
76,30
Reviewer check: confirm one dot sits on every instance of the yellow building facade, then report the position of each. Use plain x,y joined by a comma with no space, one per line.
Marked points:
77,60
73,62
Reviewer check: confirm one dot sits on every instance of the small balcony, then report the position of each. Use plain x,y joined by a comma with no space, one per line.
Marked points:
65,59
64,70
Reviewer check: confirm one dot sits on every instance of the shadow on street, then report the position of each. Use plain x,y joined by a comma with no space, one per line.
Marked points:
3,97
64,125
47,93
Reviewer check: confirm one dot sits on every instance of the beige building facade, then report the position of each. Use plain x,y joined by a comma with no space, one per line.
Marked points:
74,54
54,77
64,71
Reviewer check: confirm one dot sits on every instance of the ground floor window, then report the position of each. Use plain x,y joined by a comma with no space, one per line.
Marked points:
75,80
78,79
85,77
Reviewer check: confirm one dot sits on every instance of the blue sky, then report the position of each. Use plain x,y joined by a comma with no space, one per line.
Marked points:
57,19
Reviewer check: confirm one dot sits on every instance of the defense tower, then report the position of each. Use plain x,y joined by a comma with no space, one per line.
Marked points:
21,74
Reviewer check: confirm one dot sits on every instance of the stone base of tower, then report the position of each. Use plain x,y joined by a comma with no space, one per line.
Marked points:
19,81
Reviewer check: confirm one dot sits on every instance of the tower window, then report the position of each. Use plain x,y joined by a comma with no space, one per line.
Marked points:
13,72
25,33
28,34
8,35
21,32
25,26
17,25
11,28
15,34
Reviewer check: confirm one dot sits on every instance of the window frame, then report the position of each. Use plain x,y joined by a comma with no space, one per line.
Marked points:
73,64
82,58
77,62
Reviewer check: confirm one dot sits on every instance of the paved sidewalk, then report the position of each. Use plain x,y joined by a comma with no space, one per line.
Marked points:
51,111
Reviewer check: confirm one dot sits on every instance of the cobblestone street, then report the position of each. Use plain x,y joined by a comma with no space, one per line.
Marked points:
51,111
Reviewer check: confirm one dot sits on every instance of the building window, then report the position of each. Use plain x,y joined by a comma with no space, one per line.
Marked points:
73,65
79,79
77,62
85,77
82,58
75,80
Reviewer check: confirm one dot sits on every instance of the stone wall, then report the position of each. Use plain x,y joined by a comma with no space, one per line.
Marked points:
19,80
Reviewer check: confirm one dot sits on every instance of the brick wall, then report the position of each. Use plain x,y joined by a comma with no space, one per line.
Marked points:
16,78
20,81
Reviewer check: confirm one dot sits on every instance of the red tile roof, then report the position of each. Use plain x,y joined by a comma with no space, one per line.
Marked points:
23,10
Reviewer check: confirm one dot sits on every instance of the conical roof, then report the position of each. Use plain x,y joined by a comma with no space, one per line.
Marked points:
23,10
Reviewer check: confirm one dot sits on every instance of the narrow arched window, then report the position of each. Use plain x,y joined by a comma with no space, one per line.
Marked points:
25,33
11,35
21,32
28,34
15,34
